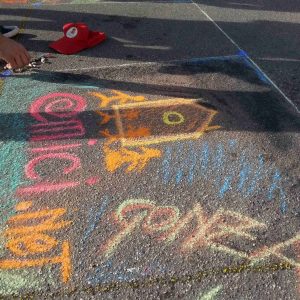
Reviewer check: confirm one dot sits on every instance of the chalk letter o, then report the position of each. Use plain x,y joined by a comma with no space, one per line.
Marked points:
166,118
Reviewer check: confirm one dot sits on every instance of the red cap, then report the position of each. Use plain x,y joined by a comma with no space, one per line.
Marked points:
77,37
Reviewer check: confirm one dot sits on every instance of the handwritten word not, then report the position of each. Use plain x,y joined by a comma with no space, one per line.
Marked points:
28,237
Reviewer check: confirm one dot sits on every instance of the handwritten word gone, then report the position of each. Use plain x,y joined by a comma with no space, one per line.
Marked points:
167,224
193,231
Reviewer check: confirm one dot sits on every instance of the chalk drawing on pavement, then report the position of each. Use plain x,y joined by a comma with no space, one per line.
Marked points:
12,159
167,120
212,294
33,237
193,231
28,245
213,163
139,123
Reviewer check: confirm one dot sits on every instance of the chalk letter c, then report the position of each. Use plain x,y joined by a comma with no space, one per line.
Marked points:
30,167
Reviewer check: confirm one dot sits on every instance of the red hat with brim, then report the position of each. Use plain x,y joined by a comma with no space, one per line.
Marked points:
77,37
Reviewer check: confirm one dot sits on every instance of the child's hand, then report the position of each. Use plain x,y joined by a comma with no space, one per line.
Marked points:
13,53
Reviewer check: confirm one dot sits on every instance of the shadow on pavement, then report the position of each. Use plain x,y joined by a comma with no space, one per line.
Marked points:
240,109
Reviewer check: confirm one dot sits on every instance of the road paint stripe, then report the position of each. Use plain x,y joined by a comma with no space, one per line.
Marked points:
239,48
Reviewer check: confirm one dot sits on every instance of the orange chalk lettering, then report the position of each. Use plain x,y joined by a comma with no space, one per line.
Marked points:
63,259
47,221
32,243
135,161
24,205
131,115
118,97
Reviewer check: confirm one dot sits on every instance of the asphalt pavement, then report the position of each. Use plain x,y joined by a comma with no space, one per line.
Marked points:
160,164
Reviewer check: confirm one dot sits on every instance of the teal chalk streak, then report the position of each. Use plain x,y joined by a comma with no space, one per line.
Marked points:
12,160
18,94
244,173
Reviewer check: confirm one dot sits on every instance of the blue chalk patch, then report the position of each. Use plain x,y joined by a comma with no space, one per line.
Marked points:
258,72
199,60
179,176
226,186
6,73
243,53
94,221
193,155
166,164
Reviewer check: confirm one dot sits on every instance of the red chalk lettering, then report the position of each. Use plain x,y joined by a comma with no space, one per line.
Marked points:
58,106
54,148
30,167
57,130
47,187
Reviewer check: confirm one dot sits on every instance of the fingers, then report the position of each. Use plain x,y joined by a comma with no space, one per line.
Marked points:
13,53
25,59
18,62
11,62
21,58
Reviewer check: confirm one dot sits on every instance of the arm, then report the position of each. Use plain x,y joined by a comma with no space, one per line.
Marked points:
13,53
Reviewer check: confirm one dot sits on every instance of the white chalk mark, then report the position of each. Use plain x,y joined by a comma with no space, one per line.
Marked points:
212,294
279,59
239,48
146,47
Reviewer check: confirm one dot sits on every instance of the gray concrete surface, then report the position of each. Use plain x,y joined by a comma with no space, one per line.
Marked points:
161,164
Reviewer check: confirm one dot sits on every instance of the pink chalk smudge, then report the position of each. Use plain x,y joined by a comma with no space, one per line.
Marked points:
92,142
92,180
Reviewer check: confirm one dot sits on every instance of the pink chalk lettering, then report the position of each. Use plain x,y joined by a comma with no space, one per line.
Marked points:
47,187
59,105
92,180
30,167
54,148
92,142
57,130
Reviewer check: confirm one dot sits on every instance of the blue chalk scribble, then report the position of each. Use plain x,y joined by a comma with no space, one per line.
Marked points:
94,219
245,176
166,164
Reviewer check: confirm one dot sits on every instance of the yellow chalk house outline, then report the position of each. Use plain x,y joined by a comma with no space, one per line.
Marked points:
131,142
